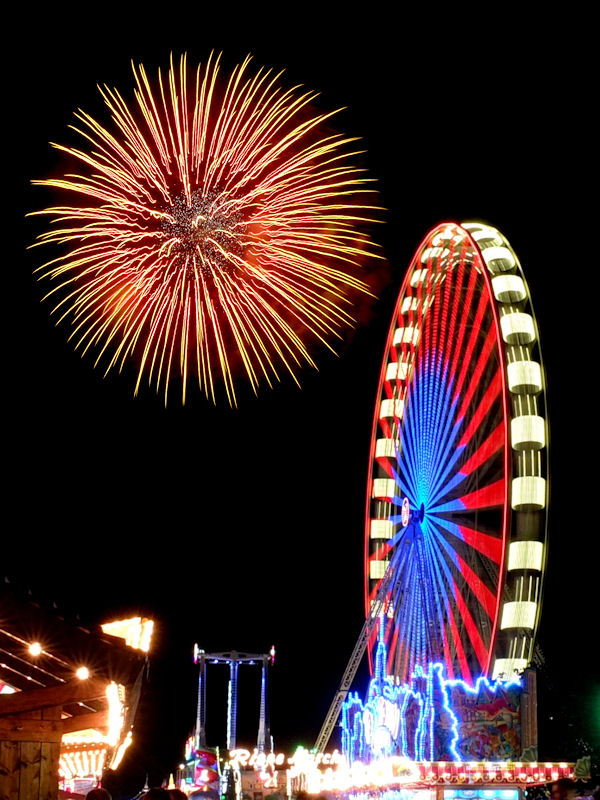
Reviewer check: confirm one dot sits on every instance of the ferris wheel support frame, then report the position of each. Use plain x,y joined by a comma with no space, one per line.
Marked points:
368,628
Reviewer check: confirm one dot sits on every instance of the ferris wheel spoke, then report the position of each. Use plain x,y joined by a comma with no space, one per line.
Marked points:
446,650
474,334
443,437
485,597
448,318
402,564
425,460
458,646
440,276
487,497
441,576
405,605
445,581
486,450
436,310
414,426
446,462
446,558
405,480
462,297
491,394
447,488
487,350
479,648
406,474
394,648
452,564
450,593
457,345
446,441
437,589
428,595
483,543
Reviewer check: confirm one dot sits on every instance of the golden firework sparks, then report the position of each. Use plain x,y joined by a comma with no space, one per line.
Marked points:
220,229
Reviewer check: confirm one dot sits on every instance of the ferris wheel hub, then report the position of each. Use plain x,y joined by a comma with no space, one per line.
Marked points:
406,513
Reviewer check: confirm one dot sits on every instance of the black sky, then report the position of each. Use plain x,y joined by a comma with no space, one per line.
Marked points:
243,528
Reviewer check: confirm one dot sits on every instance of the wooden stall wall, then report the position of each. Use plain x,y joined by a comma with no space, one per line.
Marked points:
29,755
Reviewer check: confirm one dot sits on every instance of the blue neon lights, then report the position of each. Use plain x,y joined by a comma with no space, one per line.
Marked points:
481,794
421,720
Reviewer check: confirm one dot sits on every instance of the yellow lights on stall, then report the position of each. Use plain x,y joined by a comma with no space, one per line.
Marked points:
317,773
82,673
311,775
81,764
83,753
35,649
116,713
120,751
136,631
115,694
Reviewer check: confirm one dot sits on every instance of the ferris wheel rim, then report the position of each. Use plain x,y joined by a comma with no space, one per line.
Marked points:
474,233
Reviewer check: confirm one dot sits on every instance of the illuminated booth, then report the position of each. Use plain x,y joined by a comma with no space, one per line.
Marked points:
68,697
433,718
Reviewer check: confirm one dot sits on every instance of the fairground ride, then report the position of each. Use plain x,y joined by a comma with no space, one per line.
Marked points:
455,543
232,659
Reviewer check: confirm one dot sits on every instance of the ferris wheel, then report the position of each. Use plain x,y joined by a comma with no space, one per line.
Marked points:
458,488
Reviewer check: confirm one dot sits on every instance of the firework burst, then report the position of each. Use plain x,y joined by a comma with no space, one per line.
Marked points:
217,230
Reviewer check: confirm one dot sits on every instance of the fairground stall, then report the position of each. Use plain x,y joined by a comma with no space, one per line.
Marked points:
256,775
68,697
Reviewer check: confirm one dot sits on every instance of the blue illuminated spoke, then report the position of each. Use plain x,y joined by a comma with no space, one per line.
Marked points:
447,488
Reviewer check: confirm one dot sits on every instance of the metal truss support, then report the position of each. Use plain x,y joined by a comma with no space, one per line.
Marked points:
377,609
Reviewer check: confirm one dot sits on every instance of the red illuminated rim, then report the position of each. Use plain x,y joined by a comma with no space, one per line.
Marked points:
459,438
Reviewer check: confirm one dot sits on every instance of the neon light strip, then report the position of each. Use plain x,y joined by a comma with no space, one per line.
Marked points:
462,325
473,337
482,361
420,691
491,394
488,448
484,543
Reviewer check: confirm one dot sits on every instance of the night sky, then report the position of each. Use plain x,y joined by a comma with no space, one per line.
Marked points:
238,529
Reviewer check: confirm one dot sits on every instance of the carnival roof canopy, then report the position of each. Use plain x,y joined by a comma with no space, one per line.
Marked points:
66,686
40,649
